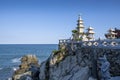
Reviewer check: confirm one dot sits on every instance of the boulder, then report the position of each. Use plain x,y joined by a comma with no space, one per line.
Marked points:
28,69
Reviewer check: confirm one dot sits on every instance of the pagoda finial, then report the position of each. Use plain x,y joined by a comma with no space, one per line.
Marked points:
79,17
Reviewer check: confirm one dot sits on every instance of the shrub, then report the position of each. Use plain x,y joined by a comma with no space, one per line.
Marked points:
74,31
79,39
55,52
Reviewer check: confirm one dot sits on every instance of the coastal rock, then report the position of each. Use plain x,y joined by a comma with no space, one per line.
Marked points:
65,66
28,69
26,77
70,63
79,63
30,59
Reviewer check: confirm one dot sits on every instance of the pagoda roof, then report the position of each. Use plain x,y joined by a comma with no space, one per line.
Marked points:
110,30
90,28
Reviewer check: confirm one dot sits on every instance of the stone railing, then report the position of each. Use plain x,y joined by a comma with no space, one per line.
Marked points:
102,43
64,41
114,43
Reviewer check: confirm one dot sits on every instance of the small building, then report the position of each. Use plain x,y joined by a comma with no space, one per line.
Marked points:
90,34
117,31
111,34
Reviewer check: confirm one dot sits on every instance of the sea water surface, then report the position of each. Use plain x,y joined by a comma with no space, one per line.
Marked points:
10,55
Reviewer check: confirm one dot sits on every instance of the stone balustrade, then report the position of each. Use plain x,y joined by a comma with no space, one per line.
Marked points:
64,41
114,43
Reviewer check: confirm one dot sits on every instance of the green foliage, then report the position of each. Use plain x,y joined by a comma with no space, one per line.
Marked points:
60,54
63,49
78,39
55,52
74,31
58,58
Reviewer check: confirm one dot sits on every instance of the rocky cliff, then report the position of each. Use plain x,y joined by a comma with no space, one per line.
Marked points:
70,62
78,63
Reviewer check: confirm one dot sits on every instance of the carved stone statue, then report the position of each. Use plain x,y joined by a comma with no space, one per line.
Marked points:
104,68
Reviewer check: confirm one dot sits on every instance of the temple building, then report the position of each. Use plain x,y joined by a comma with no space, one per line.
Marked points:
79,34
117,31
90,34
111,34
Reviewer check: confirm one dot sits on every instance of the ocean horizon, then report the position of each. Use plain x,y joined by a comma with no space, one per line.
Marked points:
10,55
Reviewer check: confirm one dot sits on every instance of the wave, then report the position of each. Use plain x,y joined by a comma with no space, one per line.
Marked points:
16,60
15,68
1,68
10,78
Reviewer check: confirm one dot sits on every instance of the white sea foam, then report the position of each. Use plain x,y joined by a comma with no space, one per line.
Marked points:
9,78
15,68
16,60
0,68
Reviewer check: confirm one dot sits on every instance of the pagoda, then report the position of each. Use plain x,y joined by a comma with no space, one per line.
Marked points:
111,34
79,35
90,34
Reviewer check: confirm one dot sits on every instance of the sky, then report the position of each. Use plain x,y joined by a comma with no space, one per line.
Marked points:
47,21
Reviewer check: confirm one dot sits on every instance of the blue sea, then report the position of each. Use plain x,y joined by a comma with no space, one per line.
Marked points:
10,55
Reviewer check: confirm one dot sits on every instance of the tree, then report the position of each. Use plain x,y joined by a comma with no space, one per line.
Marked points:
74,31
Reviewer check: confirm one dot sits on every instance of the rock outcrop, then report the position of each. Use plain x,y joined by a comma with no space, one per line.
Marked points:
65,64
79,63
70,62
28,69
